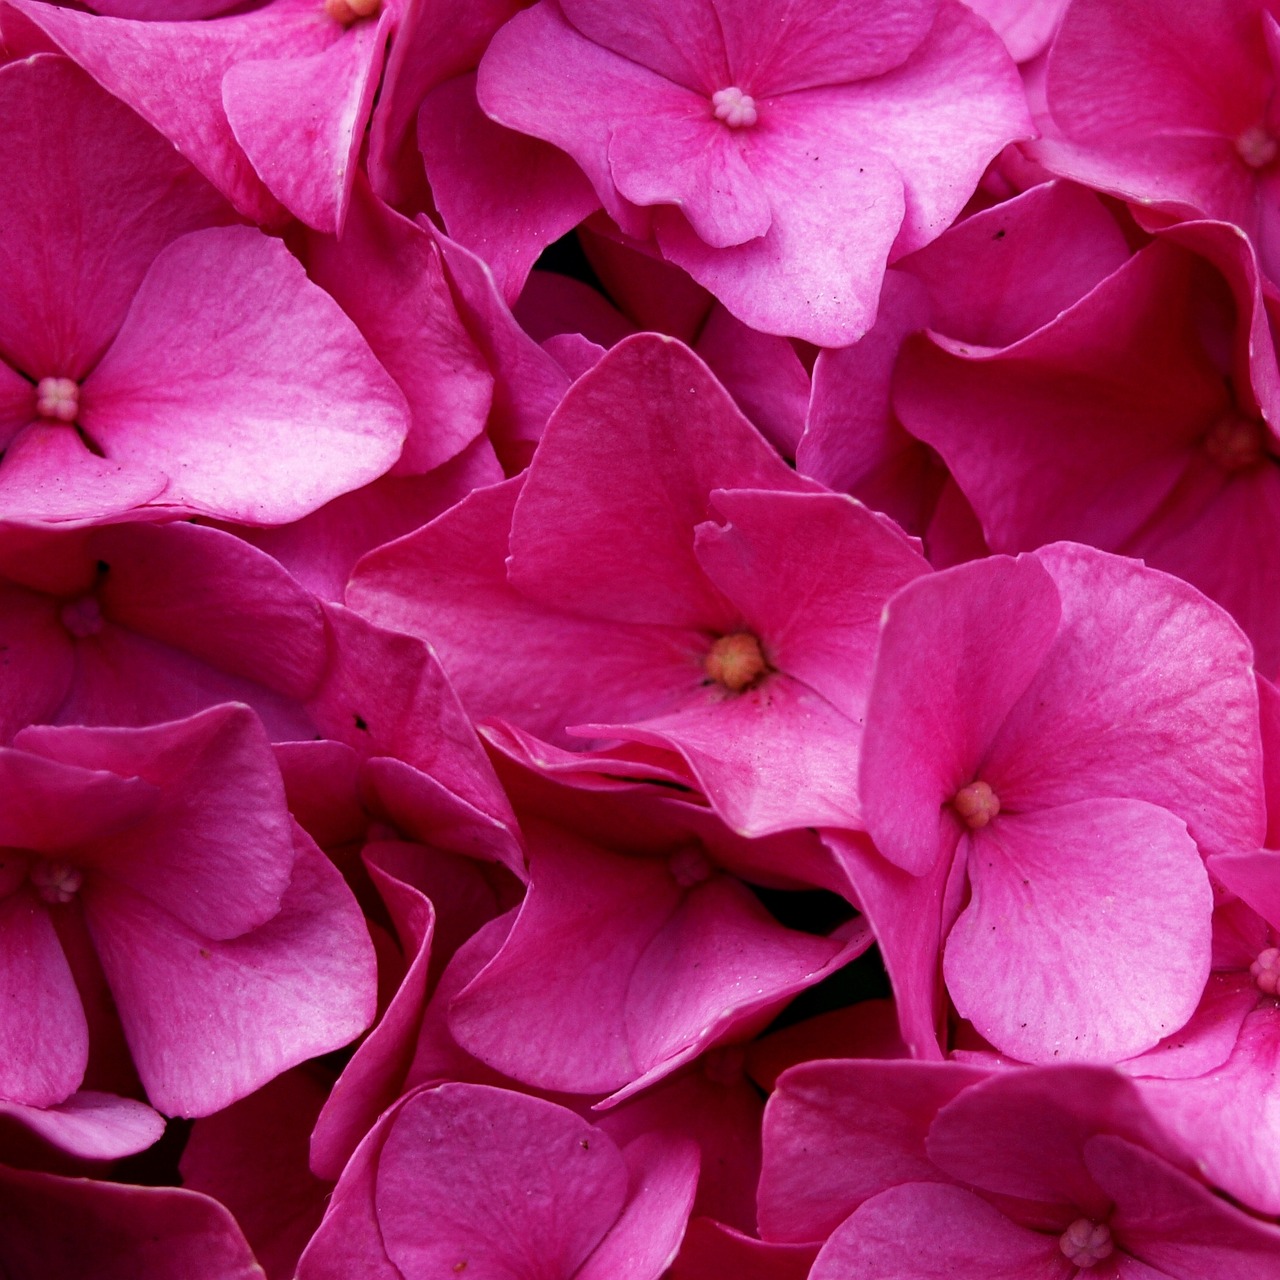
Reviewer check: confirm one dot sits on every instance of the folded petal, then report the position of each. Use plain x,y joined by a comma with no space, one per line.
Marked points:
244,384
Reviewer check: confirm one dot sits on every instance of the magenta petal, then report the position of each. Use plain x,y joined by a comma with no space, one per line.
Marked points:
939,695
505,1183
91,1126
328,93
474,166
47,475
1230,1117
774,757
1252,876
1141,660
838,1133
1171,1221
78,1229
99,193
1087,936
244,383
215,848
635,448
44,1039
921,1231
171,74
208,1022
711,1250
662,1176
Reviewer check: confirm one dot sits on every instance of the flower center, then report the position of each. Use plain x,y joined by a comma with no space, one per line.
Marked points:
58,398
734,108
349,11
55,881
1266,970
82,617
1086,1243
1235,443
690,866
1257,147
977,804
736,661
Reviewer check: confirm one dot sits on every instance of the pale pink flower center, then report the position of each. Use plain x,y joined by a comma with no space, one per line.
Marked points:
1235,443
349,11
55,881
735,108
58,398
1266,970
1257,147
82,617
736,661
1086,1243
690,866
977,804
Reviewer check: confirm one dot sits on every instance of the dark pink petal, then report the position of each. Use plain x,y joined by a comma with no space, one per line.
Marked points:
91,194
1171,1221
811,574
329,92
244,383
48,476
375,1075
88,1125
387,275
710,1251
503,1182
1000,275
434,44
509,656
838,1133
77,1229
662,1175
1230,1117
938,695
215,848
1024,1133
1141,660
252,1157
474,166
922,1231
40,657
171,74
775,757
636,448
44,1040
1087,935
17,403
209,1022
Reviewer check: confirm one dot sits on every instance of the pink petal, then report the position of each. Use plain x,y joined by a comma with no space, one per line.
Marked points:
474,165
40,657
920,1231
500,1181
329,93
838,1133
209,1022
1141,660
936,683
387,275
90,1125
91,194
44,1040
75,1228
636,448
1087,936
662,1175
710,1251
230,355
219,806
171,74
1174,1223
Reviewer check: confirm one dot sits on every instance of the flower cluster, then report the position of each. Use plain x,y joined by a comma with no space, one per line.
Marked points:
636,639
